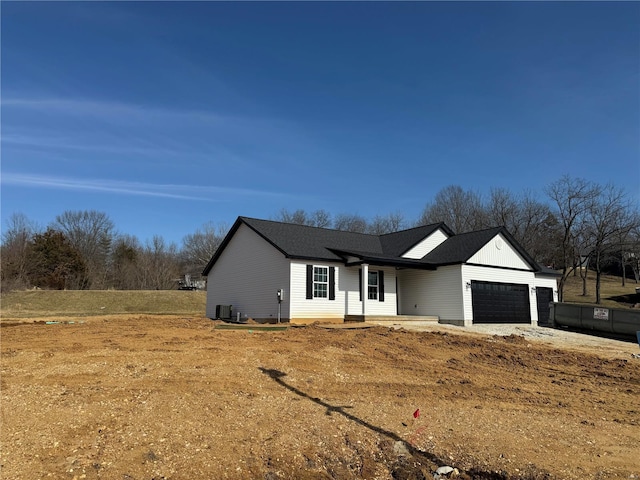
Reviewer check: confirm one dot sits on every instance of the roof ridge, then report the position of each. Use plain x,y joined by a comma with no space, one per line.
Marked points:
413,228
309,226
482,230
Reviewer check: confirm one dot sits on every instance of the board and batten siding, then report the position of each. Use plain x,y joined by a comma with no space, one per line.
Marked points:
498,252
427,245
432,292
347,301
499,275
247,276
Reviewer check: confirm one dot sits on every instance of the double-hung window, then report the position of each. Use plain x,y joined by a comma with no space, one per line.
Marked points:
373,286
320,282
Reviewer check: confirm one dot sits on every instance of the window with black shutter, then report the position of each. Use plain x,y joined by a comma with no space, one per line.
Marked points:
321,282
332,283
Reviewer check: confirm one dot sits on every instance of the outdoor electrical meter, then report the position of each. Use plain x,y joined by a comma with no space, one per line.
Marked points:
280,294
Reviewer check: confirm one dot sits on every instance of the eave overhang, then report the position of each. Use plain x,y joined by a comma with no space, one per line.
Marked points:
352,259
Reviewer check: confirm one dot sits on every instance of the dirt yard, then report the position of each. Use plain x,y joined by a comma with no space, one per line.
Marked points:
174,398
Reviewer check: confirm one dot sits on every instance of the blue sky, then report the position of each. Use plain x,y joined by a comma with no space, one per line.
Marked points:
167,115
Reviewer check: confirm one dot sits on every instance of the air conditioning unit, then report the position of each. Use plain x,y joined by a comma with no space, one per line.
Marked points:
223,312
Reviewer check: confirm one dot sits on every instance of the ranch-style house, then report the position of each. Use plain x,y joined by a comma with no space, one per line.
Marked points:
267,270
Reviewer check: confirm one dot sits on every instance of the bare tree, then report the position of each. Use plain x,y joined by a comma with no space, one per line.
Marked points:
318,218
633,252
158,265
199,247
382,224
350,223
503,209
583,248
571,197
609,216
626,244
298,217
461,210
13,254
531,222
537,226
91,233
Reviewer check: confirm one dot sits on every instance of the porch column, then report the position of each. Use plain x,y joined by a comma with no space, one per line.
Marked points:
365,287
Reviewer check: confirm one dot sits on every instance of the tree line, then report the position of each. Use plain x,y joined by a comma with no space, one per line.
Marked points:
580,223
82,250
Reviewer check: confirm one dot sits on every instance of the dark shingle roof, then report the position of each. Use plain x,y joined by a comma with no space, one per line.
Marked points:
301,241
460,248
313,243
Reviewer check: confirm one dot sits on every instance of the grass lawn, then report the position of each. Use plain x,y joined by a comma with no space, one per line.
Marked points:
610,288
61,303
45,303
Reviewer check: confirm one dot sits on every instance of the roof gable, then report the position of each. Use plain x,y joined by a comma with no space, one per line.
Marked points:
498,252
459,248
426,245
399,243
462,247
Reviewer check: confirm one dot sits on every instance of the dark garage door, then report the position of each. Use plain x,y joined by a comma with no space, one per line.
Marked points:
544,296
494,302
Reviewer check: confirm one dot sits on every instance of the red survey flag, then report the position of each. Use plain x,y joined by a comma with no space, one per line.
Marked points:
416,414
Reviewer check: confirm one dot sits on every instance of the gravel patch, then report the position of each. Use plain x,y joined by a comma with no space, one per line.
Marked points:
553,336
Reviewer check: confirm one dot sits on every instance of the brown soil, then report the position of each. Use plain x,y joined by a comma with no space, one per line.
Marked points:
174,398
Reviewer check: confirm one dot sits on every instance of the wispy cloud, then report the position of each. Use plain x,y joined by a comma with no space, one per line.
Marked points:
117,187
139,116
112,127
108,110
49,143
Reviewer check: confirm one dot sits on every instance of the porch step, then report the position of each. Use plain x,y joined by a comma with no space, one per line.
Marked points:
394,319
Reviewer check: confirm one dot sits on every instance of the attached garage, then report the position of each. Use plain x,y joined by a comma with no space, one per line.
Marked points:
494,302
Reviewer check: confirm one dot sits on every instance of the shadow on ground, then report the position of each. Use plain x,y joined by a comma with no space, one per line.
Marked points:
404,469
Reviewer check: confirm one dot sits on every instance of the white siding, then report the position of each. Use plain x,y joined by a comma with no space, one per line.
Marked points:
500,275
432,292
247,275
316,307
348,287
376,307
499,252
426,245
548,282
347,301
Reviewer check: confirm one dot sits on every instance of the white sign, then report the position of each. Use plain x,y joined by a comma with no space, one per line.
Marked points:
601,313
